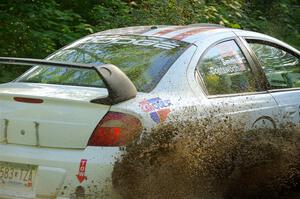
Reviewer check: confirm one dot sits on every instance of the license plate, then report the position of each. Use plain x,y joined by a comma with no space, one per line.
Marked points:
17,175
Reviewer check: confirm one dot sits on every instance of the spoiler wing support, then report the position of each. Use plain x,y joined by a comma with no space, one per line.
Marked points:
120,87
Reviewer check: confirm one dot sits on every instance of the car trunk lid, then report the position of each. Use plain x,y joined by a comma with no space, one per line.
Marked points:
49,115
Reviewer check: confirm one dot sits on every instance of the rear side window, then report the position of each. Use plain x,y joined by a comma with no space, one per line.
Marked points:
64,76
282,69
143,59
225,70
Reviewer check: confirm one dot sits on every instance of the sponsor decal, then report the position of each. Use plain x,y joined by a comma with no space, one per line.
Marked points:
81,171
228,69
157,108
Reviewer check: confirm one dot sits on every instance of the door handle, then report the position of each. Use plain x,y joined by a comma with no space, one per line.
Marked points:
289,111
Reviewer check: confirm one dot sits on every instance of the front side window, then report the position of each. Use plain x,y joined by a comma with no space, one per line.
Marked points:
143,59
225,70
282,69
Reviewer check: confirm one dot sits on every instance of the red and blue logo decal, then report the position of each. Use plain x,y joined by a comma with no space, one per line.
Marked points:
157,108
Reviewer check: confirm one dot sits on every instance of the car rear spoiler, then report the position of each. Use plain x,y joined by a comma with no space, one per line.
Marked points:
120,87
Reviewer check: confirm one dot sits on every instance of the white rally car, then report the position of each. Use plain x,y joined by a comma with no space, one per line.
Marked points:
62,122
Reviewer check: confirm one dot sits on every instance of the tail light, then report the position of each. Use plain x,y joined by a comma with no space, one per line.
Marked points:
28,100
115,129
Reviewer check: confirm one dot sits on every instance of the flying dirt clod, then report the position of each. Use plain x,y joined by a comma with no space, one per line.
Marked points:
194,159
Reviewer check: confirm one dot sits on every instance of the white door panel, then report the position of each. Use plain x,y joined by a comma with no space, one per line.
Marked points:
233,88
289,105
281,66
248,111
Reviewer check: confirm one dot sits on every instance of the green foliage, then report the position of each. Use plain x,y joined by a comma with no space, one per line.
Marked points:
36,28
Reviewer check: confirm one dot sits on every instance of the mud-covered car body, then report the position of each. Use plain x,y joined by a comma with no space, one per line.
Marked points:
61,123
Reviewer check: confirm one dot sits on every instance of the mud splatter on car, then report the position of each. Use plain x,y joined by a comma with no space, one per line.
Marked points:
190,160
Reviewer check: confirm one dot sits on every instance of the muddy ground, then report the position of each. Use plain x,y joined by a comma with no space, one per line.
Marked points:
197,160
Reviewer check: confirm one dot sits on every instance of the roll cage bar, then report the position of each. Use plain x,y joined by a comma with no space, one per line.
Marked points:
120,87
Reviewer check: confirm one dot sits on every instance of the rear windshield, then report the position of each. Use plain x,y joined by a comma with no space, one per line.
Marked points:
143,59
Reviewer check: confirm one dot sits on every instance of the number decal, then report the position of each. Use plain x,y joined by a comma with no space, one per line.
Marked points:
11,173
6,170
1,172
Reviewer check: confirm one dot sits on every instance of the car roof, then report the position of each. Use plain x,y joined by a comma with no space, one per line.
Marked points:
187,33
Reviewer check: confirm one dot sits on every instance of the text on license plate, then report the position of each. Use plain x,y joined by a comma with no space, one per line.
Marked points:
14,174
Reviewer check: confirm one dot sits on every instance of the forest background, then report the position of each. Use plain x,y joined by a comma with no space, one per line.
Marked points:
36,28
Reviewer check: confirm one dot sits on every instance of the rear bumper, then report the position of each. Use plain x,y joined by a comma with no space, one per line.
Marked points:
57,170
